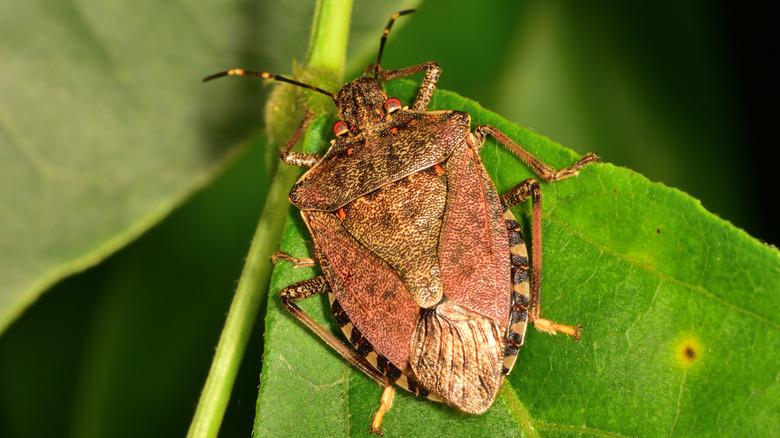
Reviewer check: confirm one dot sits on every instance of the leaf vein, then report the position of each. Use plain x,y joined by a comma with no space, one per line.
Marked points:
679,399
699,289
580,429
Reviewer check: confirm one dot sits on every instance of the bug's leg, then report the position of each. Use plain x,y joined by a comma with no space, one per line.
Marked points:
303,262
300,158
520,193
318,285
314,286
433,71
545,171
385,403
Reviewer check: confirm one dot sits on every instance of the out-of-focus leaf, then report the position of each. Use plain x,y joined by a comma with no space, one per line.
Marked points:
105,126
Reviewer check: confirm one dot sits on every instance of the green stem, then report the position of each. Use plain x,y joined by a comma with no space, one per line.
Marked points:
329,34
248,298
327,51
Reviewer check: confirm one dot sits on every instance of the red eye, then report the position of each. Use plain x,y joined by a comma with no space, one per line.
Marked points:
392,105
340,128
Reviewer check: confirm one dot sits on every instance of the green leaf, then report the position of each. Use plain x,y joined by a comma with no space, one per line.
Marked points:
105,126
104,129
679,308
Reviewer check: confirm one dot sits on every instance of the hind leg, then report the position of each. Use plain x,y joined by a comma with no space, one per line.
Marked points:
521,193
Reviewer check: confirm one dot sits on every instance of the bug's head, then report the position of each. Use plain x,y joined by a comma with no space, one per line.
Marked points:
361,103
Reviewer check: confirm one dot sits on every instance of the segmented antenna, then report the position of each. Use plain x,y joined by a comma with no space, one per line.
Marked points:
262,74
384,37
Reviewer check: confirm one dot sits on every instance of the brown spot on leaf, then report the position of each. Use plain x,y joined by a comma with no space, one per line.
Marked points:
688,351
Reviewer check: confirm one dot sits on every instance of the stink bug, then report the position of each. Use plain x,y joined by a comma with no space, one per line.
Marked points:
423,261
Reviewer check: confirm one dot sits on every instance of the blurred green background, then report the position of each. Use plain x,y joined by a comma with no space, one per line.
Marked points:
679,92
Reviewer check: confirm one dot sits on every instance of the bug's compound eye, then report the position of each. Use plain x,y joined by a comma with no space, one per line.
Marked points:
392,105
340,128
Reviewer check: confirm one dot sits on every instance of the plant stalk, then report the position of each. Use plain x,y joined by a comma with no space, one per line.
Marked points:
327,50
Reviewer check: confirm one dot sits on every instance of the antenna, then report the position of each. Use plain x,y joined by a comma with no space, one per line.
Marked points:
262,74
384,37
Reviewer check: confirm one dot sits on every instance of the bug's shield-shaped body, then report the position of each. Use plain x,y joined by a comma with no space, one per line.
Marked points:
408,229
424,264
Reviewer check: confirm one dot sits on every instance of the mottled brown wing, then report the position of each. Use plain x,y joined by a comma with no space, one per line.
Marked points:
355,166
473,249
371,293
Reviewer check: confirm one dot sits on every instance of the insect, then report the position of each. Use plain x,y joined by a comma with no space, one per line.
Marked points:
424,263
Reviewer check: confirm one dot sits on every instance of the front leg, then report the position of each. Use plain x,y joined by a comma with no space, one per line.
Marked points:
433,71
300,158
